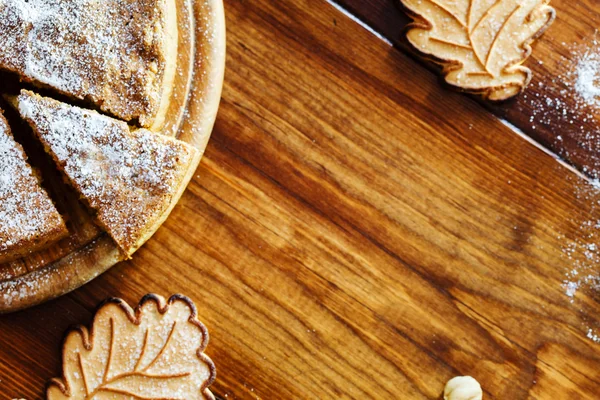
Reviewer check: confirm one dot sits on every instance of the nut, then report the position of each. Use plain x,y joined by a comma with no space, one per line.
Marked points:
463,388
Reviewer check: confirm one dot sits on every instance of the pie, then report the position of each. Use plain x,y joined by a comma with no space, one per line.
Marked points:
106,70
130,178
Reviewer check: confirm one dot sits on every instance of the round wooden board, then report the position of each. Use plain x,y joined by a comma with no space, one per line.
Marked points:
192,112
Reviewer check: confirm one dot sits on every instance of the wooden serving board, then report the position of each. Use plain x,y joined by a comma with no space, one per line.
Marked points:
88,251
356,231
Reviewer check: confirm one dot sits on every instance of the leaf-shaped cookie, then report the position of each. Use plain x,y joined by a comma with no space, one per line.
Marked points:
480,43
152,352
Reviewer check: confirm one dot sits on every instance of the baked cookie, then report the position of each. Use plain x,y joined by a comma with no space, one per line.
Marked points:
118,55
480,44
28,219
131,178
152,352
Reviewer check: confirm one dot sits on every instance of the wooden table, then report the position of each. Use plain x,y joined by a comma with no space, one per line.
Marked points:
356,230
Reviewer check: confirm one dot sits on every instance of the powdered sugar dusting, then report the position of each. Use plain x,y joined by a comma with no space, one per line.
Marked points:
16,291
127,177
587,73
569,108
108,51
583,254
27,214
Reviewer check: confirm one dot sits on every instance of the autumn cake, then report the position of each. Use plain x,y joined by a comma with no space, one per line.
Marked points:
131,178
28,219
118,55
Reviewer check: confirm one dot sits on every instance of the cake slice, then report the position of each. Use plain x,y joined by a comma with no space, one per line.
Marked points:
28,219
131,178
118,54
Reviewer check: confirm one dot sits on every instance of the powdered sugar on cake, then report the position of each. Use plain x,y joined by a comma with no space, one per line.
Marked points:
26,212
106,51
127,177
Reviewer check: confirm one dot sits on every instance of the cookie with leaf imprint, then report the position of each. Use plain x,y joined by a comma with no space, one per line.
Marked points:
155,351
480,44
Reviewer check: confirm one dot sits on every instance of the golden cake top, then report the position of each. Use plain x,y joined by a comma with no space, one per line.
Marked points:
110,52
129,177
28,218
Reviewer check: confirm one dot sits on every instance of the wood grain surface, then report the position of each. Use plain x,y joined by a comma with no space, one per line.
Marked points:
551,110
355,230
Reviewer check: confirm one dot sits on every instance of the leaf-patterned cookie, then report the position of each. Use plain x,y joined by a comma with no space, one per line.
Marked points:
480,43
152,352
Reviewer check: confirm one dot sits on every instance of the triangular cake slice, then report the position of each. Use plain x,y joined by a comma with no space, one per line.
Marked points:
131,178
28,219
119,55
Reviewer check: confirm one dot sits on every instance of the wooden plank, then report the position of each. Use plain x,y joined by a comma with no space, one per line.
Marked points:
384,16
347,236
551,111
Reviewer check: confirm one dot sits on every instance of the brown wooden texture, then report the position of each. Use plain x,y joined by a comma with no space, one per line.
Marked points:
354,231
551,110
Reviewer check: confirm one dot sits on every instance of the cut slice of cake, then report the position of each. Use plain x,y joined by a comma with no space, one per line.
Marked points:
119,55
131,178
28,219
